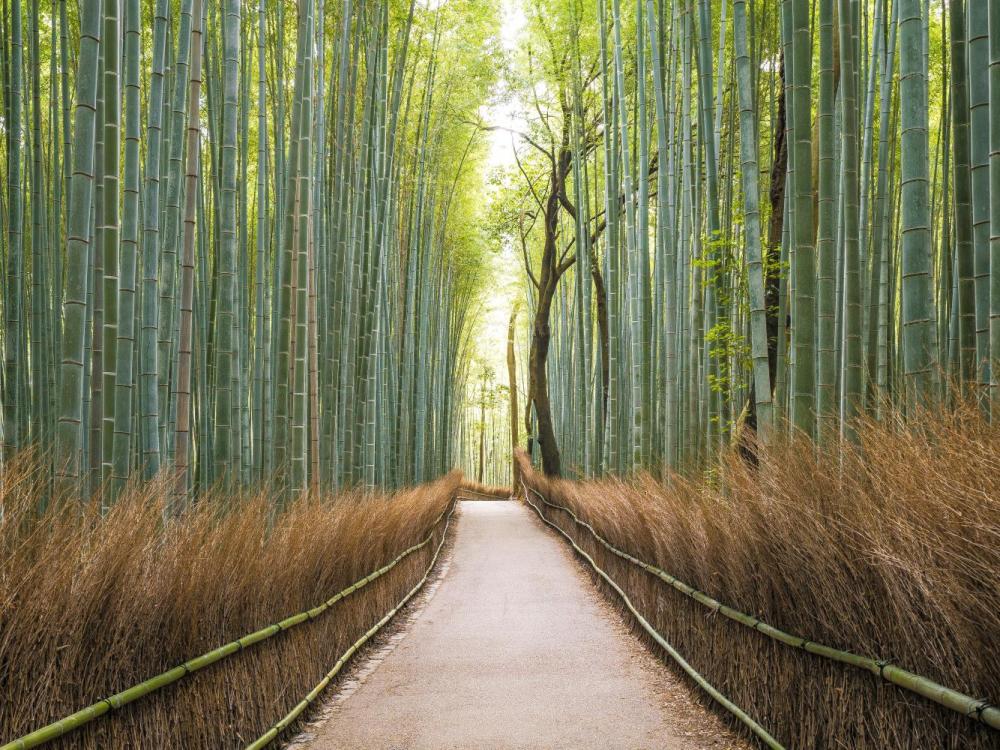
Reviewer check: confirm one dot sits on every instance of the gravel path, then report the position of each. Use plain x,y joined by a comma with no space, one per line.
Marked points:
512,647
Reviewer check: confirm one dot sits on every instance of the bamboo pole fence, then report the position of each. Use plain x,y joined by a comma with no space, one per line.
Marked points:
473,495
979,709
735,710
266,738
114,702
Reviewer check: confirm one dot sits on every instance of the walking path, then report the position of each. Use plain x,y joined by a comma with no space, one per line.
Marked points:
513,647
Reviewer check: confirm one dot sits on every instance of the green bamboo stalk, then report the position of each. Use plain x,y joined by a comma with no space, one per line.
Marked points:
852,388
149,392
14,405
878,311
109,230
751,214
241,321
994,26
258,407
69,434
827,219
642,303
170,238
631,252
867,159
714,255
301,207
918,301
226,453
803,262
38,428
963,192
182,394
977,28
124,385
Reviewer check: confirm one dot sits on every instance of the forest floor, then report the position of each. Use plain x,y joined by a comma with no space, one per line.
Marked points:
512,646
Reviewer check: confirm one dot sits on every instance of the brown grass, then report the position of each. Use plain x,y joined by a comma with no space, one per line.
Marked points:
892,552
487,490
90,605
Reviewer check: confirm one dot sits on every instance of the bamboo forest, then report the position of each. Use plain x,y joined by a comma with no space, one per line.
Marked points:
659,338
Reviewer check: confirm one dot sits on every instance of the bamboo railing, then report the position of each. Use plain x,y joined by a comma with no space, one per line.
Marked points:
94,711
301,706
465,493
735,710
975,708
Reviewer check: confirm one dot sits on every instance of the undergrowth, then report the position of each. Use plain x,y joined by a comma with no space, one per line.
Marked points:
488,490
91,604
889,547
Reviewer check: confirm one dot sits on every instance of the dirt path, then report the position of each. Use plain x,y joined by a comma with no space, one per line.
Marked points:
514,648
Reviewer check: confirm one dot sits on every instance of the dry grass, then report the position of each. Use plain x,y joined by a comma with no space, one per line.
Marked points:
488,490
90,605
893,552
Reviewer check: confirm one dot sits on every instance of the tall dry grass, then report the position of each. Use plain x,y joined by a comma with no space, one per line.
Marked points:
91,605
890,548
472,488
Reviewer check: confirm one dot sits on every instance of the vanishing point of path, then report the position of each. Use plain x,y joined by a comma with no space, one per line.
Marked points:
513,648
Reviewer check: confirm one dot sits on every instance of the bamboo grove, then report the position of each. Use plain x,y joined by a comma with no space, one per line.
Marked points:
237,239
749,217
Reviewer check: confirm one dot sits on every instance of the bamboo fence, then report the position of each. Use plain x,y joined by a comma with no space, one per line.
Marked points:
735,710
114,702
979,709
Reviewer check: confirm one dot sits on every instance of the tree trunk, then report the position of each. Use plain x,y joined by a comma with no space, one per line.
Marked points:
541,334
482,431
552,270
772,251
772,269
512,381
604,334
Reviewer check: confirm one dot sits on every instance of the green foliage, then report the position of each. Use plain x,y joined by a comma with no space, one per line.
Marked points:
309,231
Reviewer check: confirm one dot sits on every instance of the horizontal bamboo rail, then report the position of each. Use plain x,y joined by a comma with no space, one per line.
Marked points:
301,706
94,711
978,709
735,710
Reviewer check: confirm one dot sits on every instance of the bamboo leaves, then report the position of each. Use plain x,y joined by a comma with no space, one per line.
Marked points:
246,288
